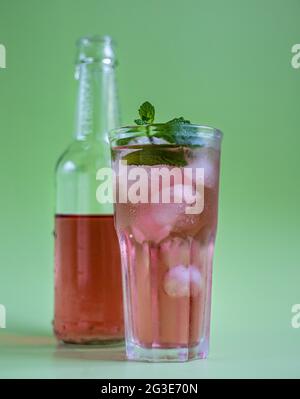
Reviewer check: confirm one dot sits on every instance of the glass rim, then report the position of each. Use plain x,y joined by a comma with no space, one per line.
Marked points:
201,131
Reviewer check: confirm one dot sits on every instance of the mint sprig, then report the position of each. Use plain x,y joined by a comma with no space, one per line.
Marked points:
147,114
174,132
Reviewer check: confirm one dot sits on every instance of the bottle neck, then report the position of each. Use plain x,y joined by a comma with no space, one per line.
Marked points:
97,105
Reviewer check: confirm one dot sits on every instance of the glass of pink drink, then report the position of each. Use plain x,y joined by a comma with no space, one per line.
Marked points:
166,251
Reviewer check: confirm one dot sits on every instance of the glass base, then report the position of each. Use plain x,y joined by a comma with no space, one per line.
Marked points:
182,354
92,342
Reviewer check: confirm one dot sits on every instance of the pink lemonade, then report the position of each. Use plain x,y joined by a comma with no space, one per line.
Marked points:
167,260
88,288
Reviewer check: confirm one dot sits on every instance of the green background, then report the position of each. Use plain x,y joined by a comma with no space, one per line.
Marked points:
221,63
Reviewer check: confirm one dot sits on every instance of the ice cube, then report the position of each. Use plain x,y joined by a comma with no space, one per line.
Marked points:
182,199
181,281
177,282
174,213
145,226
208,159
175,251
179,194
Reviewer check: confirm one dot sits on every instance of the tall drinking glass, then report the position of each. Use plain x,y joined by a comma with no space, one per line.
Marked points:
166,218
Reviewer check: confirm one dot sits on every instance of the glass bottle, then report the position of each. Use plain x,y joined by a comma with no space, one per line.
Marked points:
88,288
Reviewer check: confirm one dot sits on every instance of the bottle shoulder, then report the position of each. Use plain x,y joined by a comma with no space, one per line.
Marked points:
82,155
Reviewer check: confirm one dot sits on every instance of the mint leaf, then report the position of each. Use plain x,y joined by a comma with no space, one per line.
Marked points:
155,155
179,120
174,132
147,113
139,122
178,131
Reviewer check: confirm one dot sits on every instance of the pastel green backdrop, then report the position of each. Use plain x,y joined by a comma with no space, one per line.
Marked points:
221,63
